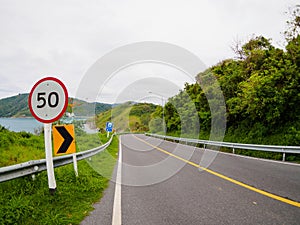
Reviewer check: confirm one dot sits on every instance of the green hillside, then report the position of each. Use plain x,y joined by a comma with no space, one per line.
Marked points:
83,108
133,117
261,90
17,106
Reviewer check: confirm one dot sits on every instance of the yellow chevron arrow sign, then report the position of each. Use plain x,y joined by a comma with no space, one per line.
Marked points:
64,139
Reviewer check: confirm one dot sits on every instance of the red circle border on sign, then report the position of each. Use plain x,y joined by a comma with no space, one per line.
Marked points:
65,105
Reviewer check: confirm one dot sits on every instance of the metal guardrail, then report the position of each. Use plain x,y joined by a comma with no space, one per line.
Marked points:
268,148
36,166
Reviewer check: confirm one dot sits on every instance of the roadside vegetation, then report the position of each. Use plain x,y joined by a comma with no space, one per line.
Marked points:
27,201
261,88
127,117
18,147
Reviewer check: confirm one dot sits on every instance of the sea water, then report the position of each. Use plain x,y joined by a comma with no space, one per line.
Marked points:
20,124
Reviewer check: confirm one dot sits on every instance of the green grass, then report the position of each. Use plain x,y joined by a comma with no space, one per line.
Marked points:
119,115
88,141
127,117
27,201
104,163
18,147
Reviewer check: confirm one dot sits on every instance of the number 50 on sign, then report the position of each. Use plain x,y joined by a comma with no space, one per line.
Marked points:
48,100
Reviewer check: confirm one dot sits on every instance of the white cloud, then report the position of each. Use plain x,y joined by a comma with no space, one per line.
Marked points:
64,38
134,83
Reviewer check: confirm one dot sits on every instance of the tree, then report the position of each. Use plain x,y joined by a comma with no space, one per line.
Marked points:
261,88
293,23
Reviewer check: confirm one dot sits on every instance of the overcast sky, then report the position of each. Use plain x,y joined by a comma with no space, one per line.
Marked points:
64,38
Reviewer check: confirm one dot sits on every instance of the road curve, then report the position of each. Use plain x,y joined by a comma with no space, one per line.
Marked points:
186,195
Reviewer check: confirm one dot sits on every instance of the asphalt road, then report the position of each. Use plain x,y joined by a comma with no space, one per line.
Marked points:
163,184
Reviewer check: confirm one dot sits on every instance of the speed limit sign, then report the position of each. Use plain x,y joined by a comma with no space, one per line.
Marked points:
48,100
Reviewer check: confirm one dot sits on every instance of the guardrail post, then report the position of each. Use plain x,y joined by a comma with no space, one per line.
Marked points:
36,168
283,156
233,150
75,164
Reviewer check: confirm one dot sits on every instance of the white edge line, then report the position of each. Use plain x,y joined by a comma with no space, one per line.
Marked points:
117,215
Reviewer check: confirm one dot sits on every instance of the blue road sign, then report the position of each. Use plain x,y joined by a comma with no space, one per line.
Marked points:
109,126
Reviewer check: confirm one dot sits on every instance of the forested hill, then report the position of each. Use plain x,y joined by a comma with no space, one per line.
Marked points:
261,88
17,106
127,117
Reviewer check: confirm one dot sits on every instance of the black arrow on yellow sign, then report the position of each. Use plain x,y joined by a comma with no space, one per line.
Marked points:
63,138
67,142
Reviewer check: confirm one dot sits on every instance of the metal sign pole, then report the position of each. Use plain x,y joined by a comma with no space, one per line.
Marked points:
49,158
48,101
75,164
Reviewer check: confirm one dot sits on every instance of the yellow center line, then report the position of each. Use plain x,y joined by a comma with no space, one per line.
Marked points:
276,197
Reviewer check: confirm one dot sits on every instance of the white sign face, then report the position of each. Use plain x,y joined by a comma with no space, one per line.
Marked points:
48,100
